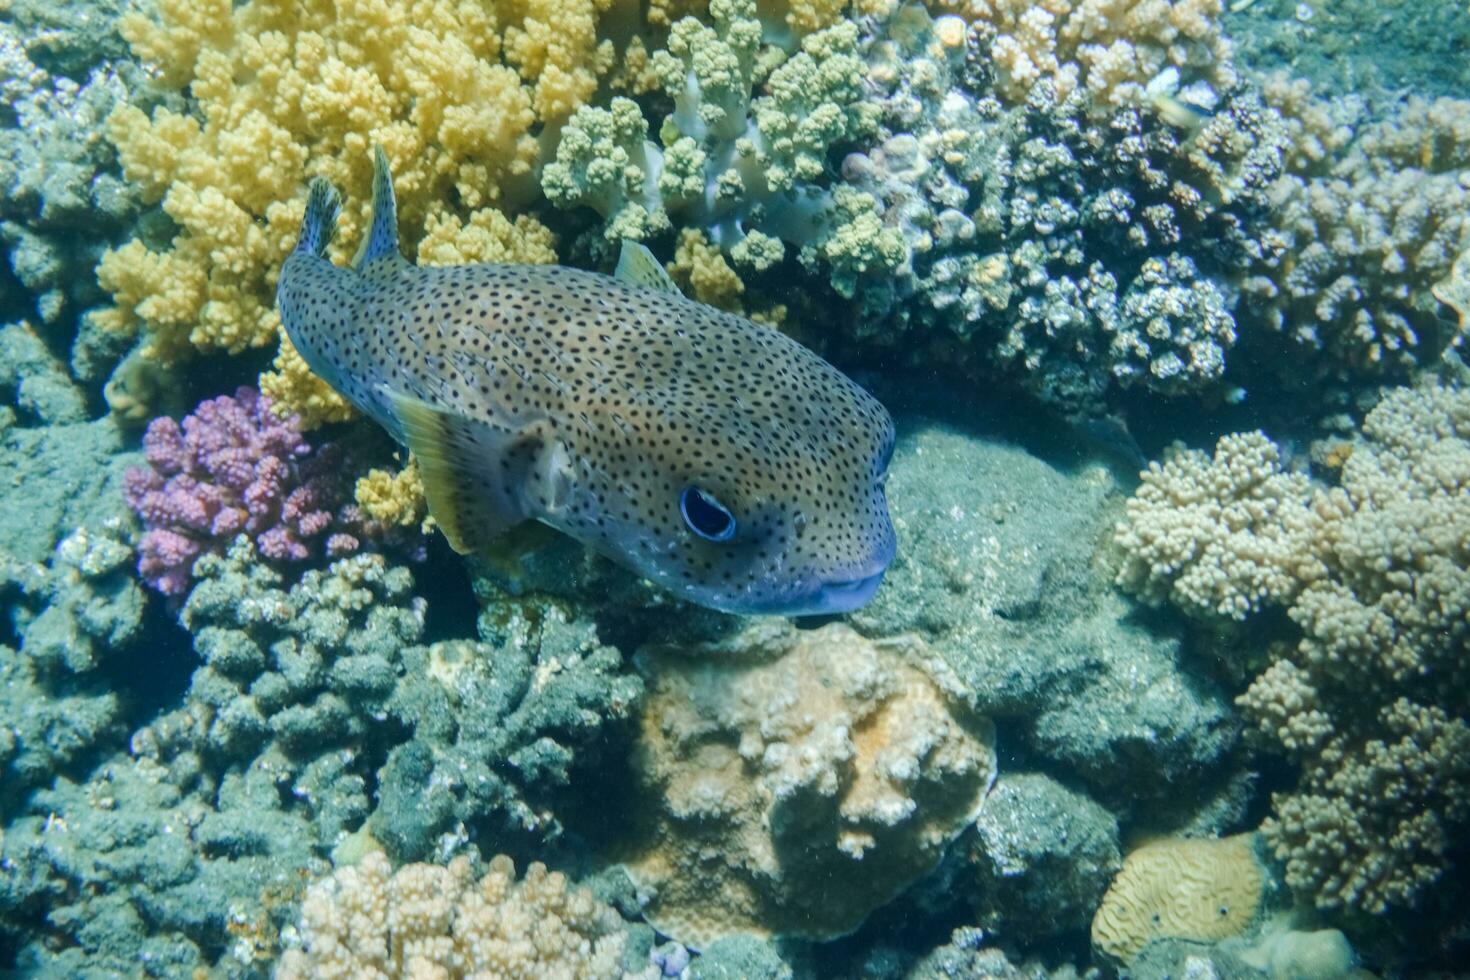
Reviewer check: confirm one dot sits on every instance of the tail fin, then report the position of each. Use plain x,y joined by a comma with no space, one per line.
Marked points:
381,240
320,224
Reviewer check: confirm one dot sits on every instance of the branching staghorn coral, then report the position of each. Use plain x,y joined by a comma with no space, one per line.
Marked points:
285,91
1373,702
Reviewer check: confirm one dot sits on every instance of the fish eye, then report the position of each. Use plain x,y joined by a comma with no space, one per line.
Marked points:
705,515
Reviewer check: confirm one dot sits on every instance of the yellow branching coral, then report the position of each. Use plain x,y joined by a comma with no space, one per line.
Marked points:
700,269
285,91
394,498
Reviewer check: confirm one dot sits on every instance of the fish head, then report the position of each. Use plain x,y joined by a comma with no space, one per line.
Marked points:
742,507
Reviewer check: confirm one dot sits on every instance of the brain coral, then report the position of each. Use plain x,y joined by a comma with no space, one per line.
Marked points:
1202,890
797,780
425,920
285,91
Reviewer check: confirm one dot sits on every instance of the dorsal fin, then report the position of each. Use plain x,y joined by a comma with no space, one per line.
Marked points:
637,266
380,244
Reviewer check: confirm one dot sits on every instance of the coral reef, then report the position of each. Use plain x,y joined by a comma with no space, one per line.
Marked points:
799,779
315,719
234,467
1201,890
1372,702
132,871
73,613
748,170
1059,225
1367,235
1220,535
968,955
287,90
61,73
1111,49
431,920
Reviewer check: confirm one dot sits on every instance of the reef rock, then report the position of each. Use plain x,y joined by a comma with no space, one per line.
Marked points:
797,780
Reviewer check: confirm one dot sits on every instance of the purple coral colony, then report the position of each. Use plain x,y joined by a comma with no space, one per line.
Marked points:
233,467
1167,299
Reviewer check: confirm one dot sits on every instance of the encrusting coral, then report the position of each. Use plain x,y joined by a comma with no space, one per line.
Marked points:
798,780
1197,889
425,920
285,91
1373,702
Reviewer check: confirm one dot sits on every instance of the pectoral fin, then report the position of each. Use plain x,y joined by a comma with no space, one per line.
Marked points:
481,479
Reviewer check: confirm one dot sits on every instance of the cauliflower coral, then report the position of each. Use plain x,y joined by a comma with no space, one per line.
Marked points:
286,91
1373,702
426,920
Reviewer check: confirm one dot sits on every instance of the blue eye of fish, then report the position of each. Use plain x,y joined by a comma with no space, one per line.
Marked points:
706,516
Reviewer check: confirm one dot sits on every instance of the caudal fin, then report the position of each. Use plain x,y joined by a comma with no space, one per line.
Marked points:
381,241
320,224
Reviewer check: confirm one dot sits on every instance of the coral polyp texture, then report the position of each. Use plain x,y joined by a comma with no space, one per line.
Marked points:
1109,48
286,91
1368,234
750,169
425,920
233,467
798,780
1372,702
1194,889
1058,225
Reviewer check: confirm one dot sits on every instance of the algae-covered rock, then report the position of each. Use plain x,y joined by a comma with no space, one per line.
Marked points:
995,569
738,958
1041,856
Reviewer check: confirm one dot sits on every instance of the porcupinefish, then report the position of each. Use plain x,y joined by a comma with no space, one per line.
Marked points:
717,458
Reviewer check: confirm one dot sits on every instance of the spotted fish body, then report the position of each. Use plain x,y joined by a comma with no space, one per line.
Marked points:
716,457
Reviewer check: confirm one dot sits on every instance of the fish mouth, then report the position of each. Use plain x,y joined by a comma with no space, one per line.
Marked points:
826,599
841,597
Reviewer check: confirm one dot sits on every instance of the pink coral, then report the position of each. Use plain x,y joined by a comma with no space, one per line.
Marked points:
234,468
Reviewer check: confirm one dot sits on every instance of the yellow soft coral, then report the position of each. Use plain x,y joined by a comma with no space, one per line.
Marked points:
287,90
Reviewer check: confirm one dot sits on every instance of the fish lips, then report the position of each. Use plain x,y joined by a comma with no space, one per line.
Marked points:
831,597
